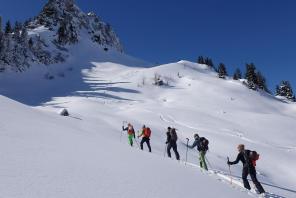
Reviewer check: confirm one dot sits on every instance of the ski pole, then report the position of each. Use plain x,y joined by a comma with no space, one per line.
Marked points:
137,143
208,162
165,149
122,130
229,171
186,150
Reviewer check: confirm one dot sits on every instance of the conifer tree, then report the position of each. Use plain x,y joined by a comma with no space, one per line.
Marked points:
222,72
261,82
209,62
24,35
285,90
2,52
31,43
277,90
0,24
8,28
237,74
24,44
17,26
17,32
251,76
201,60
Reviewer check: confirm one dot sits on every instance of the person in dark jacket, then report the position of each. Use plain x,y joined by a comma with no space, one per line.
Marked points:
202,149
248,168
172,142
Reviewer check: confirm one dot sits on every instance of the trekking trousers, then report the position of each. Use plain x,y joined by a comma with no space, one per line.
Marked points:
174,146
130,139
147,140
202,160
252,172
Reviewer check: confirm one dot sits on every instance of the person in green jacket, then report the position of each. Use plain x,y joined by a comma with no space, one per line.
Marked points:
130,133
202,146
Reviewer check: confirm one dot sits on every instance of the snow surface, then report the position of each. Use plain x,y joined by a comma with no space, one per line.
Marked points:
43,154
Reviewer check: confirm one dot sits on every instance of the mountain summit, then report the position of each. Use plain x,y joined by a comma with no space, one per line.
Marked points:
46,38
68,20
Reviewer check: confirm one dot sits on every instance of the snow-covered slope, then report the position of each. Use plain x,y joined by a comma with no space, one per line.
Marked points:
61,79
44,155
49,155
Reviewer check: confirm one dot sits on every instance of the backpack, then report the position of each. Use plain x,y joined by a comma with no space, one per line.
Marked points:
173,134
131,130
253,156
204,144
147,132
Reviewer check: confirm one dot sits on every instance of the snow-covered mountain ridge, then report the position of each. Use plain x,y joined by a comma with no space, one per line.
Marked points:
68,20
46,39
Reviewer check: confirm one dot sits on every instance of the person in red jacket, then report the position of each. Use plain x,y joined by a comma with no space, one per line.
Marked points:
145,134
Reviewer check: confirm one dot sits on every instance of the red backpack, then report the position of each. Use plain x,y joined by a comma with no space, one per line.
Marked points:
254,156
147,132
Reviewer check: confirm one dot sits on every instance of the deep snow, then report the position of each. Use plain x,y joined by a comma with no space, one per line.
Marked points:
45,155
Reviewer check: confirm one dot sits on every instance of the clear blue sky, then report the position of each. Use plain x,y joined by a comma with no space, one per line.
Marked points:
230,31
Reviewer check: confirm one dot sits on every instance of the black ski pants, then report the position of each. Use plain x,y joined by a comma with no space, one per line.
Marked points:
147,140
252,171
174,146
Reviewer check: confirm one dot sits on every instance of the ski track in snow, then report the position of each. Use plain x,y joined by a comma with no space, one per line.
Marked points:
235,182
233,133
224,177
231,180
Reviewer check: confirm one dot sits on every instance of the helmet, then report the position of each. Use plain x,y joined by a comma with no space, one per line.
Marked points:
196,136
144,126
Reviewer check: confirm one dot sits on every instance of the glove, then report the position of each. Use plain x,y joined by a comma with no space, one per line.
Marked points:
228,162
135,136
166,142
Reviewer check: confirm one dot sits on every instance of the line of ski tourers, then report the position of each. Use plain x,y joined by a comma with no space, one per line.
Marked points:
247,157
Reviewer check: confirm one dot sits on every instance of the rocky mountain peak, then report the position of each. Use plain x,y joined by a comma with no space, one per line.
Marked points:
46,38
66,18
62,4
